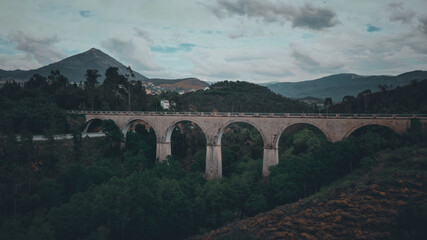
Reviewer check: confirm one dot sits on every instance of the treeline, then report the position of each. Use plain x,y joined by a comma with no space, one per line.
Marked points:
39,105
406,99
94,189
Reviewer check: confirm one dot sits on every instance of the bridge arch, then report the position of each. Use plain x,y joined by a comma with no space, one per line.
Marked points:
296,127
172,126
132,122
227,124
90,123
355,128
186,138
251,145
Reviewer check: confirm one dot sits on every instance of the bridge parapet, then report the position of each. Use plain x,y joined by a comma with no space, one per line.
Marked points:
249,114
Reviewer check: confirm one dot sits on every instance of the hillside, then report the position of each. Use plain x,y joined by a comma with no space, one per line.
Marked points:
407,99
238,97
179,84
74,67
388,202
340,85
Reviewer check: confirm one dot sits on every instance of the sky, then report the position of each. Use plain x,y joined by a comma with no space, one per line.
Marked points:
214,40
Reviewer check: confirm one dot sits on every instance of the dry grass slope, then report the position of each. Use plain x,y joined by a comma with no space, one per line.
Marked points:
365,207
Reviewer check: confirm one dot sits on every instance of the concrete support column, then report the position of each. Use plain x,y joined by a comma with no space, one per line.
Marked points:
163,149
271,158
213,161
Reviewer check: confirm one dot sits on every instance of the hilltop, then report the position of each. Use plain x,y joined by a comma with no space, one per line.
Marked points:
179,84
74,67
238,96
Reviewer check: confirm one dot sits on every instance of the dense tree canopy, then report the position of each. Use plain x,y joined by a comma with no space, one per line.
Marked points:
104,189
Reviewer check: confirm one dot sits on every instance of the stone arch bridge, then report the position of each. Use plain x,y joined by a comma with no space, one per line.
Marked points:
270,125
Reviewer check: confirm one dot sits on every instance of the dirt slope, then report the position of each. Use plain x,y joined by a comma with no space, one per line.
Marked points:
362,209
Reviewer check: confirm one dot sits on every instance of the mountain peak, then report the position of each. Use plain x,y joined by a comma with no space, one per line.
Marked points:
74,67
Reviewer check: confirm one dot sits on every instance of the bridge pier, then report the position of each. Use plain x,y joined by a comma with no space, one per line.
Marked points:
271,158
163,149
213,161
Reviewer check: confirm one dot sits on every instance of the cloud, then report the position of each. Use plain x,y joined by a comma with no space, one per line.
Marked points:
400,14
315,60
423,25
19,61
143,34
41,49
245,32
85,13
372,28
395,6
307,16
314,18
138,55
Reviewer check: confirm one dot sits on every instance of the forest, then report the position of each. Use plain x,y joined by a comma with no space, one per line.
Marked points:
406,99
92,188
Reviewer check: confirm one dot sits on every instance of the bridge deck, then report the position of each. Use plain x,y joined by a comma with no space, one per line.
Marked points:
245,114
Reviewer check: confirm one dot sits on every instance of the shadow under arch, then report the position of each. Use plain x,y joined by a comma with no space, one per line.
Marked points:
295,128
141,138
283,141
242,148
93,126
134,122
188,144
387,130
222,130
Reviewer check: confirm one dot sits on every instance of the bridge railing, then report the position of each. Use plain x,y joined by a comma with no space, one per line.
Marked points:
250,114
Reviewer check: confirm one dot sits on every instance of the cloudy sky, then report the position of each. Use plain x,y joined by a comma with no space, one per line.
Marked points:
251,40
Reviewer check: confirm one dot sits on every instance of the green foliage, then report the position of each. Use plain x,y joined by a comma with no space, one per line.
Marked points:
99,189
50,194
238,97
407,99
113,135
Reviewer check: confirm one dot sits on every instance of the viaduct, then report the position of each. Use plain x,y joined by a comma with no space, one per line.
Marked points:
270,125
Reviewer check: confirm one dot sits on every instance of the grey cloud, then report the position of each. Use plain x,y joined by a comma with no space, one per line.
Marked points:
41,49
314,18
307,16
143,34
237,34
305,60
423,25
403,16
396,5
400,14
133,54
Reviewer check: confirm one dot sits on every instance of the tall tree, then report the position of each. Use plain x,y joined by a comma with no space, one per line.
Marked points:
57,80
91,76
90,85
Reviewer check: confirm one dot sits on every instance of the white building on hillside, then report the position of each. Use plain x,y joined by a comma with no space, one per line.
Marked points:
165,104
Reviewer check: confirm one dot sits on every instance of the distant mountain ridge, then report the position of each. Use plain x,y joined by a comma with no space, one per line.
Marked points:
340,85
74,68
